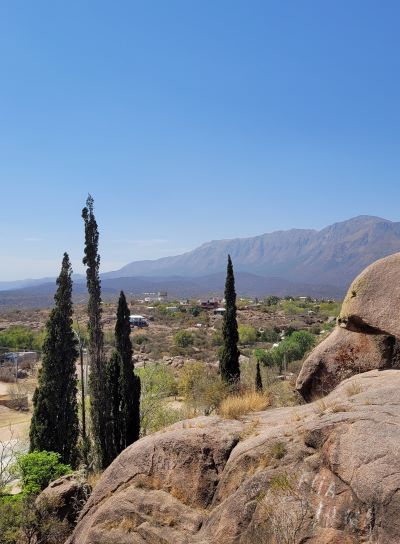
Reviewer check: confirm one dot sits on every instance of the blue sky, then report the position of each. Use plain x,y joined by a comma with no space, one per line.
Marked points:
189,121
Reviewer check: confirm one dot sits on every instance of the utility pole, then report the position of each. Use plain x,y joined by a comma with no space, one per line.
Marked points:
16,366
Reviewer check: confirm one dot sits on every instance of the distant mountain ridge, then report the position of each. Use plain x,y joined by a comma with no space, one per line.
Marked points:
293,262
331,256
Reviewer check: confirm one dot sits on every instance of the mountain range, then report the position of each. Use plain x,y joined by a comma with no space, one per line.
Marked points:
331,256
297,261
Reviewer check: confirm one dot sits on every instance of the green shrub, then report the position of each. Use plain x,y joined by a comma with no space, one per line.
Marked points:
315,329
290,329
217,339
20,337
247,334
37,469
141,339
268,335
278,450
23,520
261,356
201,387
195,311
272,300
183,339
157,384
292,348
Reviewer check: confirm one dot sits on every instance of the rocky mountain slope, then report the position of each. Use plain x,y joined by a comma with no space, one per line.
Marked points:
333,256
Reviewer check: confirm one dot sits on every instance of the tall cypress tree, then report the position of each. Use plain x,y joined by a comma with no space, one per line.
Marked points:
229,359
123,387
98,397
113,415
54,424
129,382
259,385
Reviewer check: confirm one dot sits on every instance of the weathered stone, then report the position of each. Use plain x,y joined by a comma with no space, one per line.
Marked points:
212,481
68,494
373,301
341,355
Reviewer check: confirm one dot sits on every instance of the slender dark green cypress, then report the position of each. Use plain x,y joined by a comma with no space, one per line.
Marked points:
259,385
112,385
123,386
129,382
55,424
98,397
229,359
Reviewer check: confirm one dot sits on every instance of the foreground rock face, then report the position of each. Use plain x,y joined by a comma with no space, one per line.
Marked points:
325,473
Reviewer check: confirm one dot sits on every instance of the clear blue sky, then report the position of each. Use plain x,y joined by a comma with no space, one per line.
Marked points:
190,121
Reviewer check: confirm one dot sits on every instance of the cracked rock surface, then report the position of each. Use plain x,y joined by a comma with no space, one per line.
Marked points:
332,467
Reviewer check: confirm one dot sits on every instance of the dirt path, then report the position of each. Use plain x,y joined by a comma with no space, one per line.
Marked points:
4,388
13,424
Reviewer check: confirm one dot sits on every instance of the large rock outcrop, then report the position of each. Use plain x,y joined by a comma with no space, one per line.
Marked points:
341,355
372,303
366,335
326,471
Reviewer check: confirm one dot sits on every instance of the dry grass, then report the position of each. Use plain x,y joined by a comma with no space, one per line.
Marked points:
234,406
354,388
93,478
278,450
282,393
337,408
250,429
320,407
298,417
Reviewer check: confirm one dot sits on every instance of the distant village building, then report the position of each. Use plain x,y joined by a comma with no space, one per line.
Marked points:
161,296
208,304
219,311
